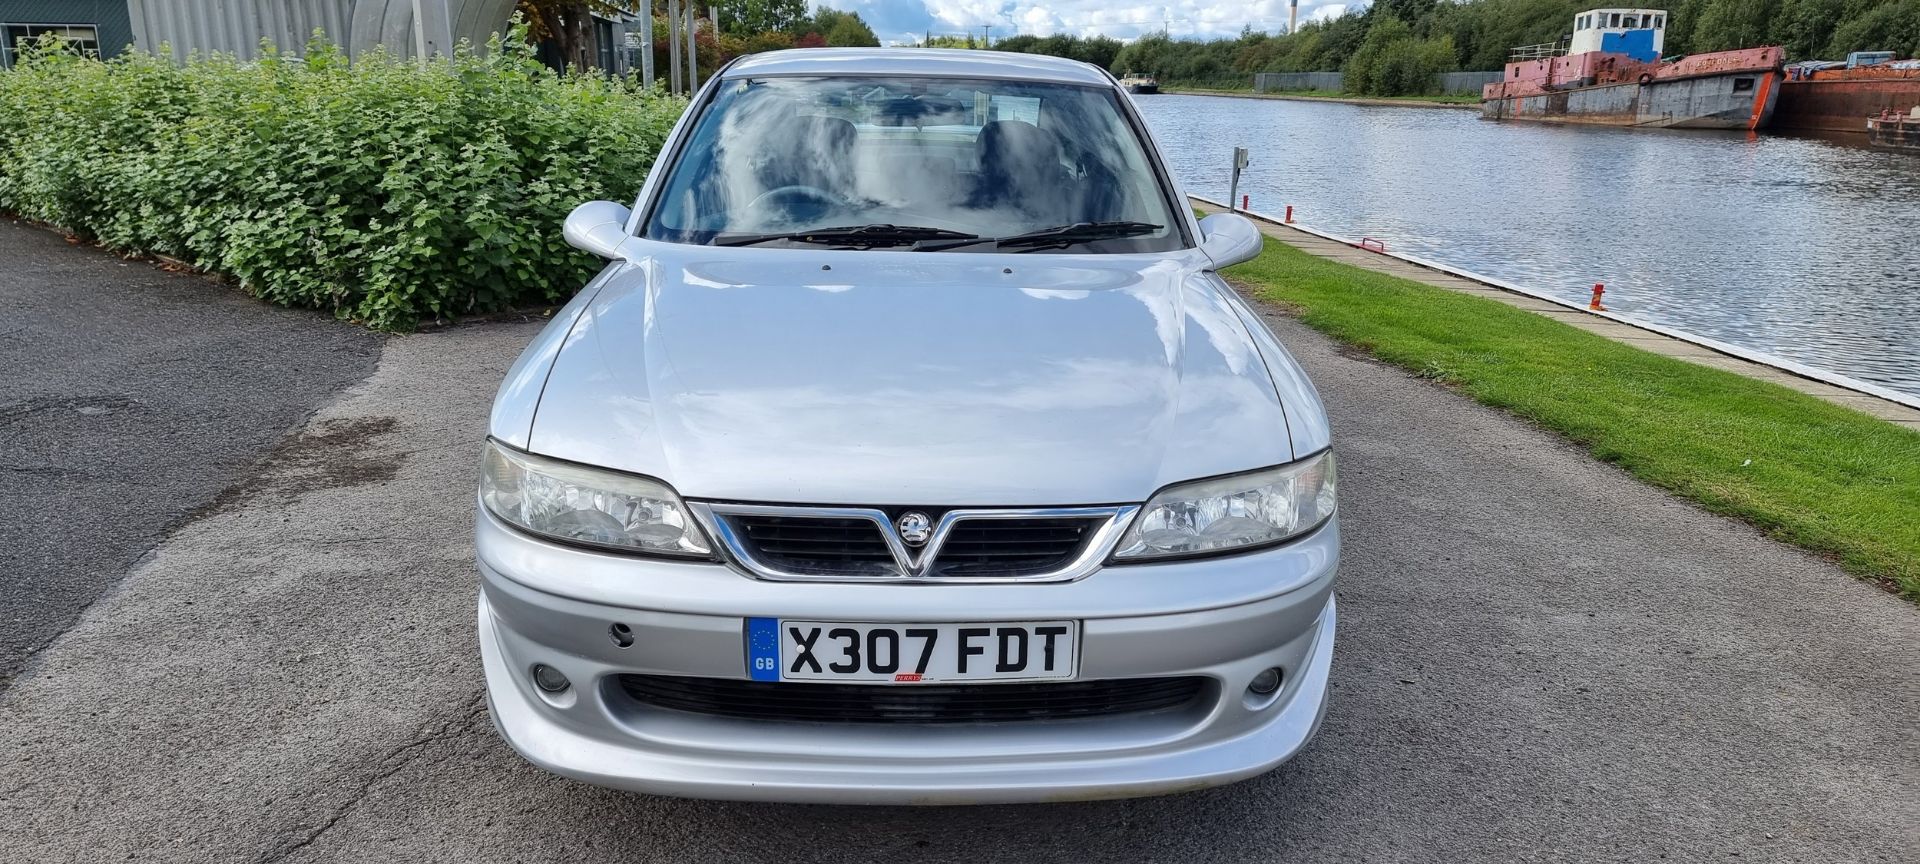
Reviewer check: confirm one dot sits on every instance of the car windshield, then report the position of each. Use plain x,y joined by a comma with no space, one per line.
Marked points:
922,163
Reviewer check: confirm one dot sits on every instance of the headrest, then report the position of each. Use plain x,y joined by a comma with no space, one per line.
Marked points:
1016,140
830,134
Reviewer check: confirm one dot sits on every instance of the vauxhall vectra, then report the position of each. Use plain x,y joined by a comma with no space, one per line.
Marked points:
908,450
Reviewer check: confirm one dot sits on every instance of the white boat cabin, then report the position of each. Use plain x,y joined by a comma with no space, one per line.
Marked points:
1637,33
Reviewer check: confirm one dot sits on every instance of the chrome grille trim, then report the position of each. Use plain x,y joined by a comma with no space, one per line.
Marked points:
910,565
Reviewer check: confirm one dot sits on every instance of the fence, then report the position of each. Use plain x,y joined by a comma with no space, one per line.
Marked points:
1267,81
1334,82
1467,82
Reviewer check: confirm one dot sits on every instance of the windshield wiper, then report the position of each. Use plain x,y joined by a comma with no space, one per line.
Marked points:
852,235
1056,237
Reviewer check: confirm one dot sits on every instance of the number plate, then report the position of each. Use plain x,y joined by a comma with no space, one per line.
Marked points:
779,650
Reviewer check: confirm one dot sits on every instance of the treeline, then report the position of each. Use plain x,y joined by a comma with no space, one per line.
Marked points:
1394,47
746,27
753,26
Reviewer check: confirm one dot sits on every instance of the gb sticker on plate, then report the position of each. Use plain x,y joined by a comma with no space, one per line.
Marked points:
763,649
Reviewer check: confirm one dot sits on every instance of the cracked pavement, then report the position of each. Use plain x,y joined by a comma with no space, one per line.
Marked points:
1539,659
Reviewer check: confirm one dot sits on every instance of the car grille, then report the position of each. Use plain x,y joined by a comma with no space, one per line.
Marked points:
911,704
1011,547
816,545
974,548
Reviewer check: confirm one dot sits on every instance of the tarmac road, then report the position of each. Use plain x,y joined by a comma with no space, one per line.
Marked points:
1539,659
130,398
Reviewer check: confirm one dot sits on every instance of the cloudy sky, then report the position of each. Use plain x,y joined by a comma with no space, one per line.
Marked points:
907,20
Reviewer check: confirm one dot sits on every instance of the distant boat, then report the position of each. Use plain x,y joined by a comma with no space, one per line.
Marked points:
1610,72
1138,83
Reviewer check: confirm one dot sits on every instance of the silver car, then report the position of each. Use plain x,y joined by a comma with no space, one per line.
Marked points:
908,450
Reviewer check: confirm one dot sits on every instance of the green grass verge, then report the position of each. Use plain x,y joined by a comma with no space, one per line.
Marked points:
1803,470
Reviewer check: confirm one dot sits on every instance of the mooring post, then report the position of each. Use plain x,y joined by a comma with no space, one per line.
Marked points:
1240,161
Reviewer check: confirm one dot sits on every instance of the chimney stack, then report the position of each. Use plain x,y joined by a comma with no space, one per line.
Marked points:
1293,15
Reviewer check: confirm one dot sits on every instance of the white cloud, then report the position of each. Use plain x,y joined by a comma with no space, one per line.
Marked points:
1180,18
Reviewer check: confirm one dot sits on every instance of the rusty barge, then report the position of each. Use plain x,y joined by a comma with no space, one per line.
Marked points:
1611,73
1836,97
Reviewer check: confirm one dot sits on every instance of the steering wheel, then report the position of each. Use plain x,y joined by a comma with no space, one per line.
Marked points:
798,193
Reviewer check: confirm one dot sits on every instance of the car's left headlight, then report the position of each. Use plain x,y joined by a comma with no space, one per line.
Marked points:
581,504
1224,514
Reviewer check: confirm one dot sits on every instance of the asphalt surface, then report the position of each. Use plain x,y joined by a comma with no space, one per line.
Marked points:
131,397
1539,659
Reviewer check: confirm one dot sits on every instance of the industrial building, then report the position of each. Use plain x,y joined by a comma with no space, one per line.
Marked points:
406,27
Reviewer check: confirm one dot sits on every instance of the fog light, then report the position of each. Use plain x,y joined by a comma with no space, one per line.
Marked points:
549,679
1266,682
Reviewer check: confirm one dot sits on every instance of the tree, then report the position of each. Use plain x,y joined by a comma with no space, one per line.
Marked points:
568,24
748,17
1878,25
843,29
1729,24
1805,26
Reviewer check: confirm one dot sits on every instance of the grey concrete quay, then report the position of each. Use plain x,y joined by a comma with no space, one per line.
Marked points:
1539,659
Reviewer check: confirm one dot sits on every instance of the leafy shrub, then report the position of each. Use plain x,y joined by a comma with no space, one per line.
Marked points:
1392,61
382,190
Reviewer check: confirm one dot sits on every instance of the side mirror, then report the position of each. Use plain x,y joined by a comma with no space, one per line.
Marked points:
599,227
1228,239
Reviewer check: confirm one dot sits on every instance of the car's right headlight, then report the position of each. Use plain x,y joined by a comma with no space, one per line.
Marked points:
581,504
1240,511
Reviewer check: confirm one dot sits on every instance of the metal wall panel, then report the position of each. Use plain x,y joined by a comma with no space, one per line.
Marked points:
109,16
237,26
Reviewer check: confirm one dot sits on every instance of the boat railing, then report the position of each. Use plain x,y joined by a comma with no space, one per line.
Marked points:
1541,51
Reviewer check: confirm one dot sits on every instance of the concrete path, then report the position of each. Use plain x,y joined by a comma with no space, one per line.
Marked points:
1539,659
131,397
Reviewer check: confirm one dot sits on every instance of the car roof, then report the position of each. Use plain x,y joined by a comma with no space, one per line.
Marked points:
909,62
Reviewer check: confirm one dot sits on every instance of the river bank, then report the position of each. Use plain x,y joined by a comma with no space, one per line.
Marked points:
1787,246
1805,471
1455,102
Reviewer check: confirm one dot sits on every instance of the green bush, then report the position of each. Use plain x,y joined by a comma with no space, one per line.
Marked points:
1392,61
382,190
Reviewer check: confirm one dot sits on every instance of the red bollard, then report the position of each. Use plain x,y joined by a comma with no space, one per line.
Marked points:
1243,202
1289,214
1598,289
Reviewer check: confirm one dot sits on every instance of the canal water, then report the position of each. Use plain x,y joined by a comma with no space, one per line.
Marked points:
1804,248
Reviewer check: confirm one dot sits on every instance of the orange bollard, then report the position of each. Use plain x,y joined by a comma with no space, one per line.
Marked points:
1289,214
1598,289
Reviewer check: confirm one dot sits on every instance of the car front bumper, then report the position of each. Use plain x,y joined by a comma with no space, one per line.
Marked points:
1225,619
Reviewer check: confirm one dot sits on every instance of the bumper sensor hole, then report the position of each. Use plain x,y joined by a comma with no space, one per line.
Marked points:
549,679
621,634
